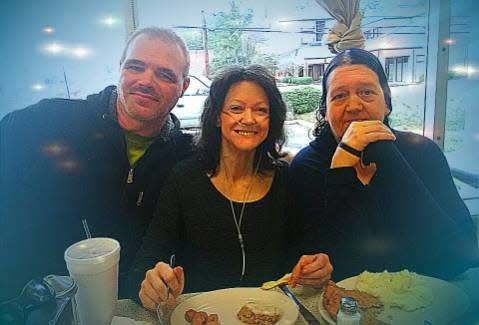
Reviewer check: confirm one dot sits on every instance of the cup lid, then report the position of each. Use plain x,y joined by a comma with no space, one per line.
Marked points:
92,250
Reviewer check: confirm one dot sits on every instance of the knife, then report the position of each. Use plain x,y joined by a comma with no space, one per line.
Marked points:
308,316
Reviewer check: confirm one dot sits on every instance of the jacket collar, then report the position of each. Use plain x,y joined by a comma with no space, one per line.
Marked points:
107,100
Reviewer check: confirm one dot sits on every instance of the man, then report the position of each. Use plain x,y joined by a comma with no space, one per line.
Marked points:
103,159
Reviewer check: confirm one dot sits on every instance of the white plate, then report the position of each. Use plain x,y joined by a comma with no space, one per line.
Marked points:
227,302
448,303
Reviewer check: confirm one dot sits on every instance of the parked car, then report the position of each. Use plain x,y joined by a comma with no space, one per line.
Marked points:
189,107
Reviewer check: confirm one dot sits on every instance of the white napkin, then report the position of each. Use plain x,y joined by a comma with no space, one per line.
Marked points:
127,321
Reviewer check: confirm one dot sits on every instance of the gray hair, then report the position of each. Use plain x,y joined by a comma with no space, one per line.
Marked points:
163,34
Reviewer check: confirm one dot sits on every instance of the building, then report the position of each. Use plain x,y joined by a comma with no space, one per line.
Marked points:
398,42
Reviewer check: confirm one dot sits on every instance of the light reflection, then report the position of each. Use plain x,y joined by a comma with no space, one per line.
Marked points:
80,52
449,41
48,30
54,149
54,48
476,136
284,25
464,70
38,87
68,165
109,21
75,52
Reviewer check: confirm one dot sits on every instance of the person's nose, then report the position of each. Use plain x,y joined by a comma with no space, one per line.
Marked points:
248,117
147,77
354,103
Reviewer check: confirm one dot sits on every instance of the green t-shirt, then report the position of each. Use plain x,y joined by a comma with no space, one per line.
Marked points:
136,146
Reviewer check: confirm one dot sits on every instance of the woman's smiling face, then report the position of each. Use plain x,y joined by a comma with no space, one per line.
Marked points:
244,119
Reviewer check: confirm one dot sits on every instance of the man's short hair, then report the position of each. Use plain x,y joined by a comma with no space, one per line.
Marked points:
163,34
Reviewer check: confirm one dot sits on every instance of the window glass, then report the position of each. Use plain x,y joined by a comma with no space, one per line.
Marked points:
197,86
462,117
289,38
396,31
56,48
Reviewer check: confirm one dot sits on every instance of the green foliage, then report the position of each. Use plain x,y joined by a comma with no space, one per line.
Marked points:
193,39
455,115
302,100
453,141
410,118
297,80
406,117
270,61
232,46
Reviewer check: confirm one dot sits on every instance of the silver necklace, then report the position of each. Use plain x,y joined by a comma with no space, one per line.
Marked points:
239,221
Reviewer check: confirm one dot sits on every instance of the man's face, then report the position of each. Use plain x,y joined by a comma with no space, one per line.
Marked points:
354,94
151,80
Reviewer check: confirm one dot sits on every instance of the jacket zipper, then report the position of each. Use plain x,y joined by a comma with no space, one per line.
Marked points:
140,199
129,179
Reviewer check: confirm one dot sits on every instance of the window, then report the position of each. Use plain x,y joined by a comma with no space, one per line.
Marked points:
300,71
397,68
390,68
46,62
319,30
310,70
461,137
372,33
58,49
420,58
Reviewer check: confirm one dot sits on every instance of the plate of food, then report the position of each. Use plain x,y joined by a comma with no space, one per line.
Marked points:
396,298
236,306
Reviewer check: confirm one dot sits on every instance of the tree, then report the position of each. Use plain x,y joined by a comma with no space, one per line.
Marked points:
231,44
193,39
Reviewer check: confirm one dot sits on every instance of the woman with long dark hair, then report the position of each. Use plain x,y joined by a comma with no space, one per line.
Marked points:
224,213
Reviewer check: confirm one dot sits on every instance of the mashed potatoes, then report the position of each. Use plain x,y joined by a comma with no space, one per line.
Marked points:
405,290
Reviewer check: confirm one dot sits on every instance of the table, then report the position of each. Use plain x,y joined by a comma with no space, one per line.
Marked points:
468,281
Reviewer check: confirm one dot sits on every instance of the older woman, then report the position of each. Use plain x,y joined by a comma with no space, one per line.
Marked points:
377,198
223,213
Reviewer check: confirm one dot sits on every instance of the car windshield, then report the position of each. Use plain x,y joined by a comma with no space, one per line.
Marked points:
198,87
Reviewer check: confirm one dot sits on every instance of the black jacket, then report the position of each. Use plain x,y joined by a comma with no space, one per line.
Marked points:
62,161
410,215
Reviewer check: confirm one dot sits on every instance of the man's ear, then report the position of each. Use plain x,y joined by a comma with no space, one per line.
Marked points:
186,83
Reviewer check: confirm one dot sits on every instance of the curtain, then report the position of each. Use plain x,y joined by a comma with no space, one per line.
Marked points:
346,33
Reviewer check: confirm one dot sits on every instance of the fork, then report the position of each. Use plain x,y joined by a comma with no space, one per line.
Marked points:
158,311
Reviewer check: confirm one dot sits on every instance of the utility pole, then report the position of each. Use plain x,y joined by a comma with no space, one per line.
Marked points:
205,45
131,17
66,82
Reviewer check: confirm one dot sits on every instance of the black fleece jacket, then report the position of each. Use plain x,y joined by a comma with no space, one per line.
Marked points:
410,216
62,161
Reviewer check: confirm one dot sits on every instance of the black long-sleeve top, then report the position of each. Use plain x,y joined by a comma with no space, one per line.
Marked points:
195,222
410,216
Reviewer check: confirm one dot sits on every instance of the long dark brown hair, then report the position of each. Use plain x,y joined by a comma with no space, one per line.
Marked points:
209,143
